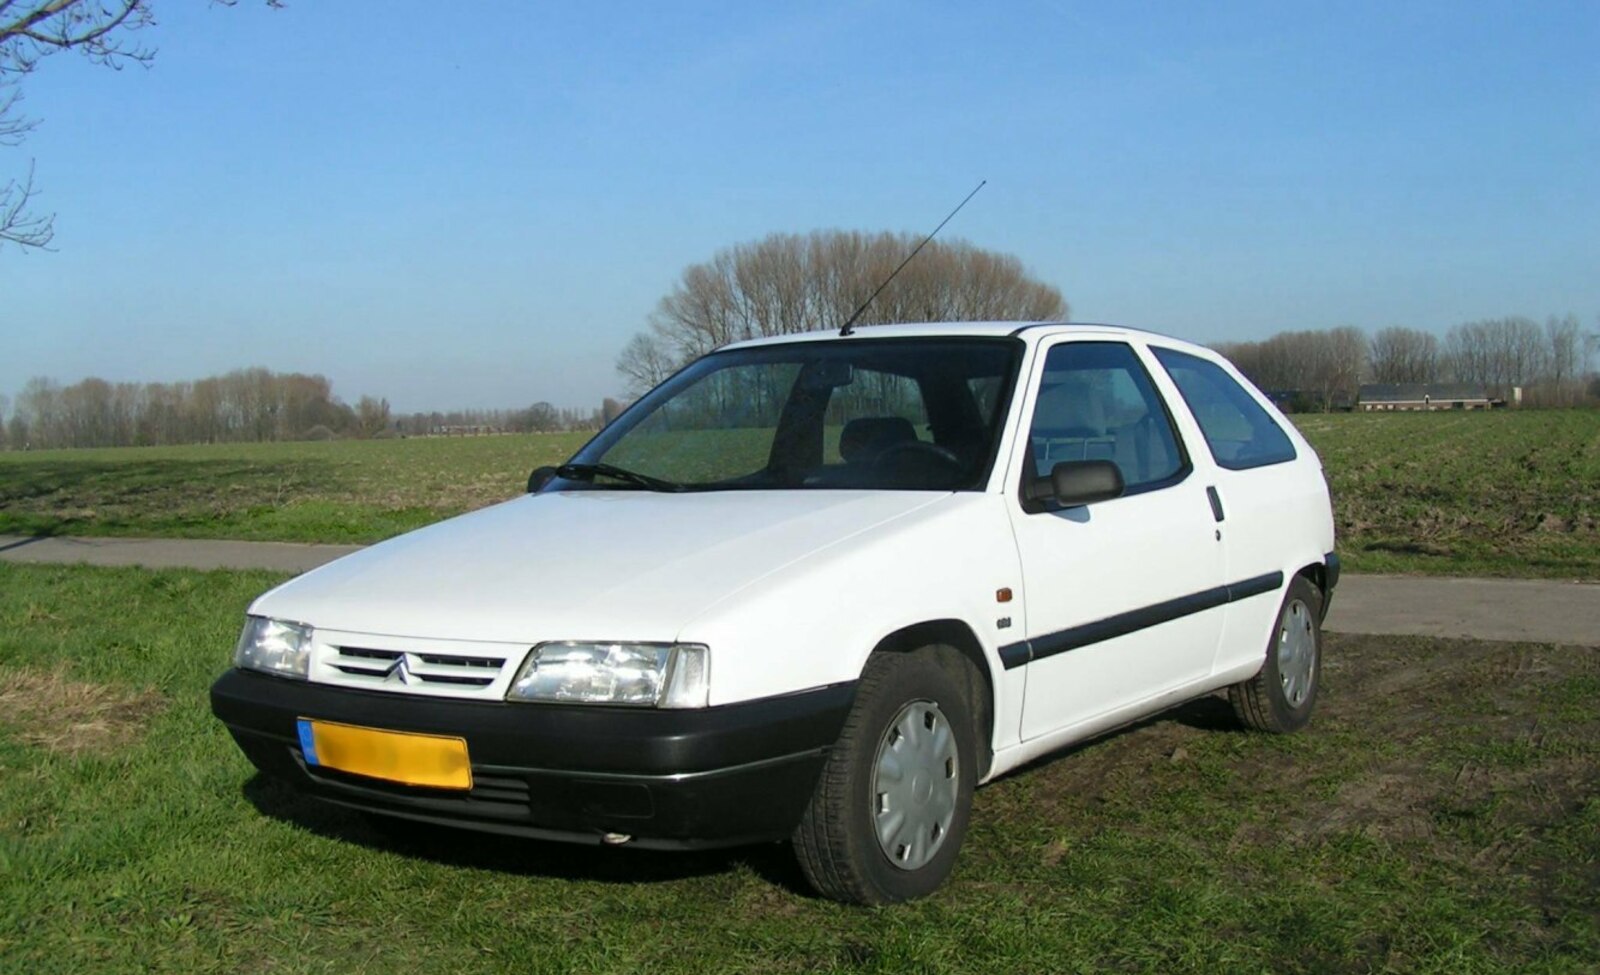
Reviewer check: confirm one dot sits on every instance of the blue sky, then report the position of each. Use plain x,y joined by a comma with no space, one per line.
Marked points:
476,205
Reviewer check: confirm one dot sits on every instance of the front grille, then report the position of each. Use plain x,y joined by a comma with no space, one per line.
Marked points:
400,668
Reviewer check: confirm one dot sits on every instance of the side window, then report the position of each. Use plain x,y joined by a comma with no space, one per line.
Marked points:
1239,432
1096,402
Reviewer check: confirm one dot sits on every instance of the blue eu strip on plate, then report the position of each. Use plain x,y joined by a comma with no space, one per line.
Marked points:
308,743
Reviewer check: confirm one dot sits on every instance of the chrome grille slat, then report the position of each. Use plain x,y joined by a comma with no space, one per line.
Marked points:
362,671
435,658
375,667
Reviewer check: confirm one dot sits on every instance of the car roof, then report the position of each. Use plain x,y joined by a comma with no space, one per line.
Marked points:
1025,330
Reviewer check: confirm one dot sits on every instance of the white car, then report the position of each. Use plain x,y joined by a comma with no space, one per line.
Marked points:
816,588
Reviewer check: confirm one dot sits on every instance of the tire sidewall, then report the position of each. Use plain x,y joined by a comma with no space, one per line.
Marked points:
916,676
1286,716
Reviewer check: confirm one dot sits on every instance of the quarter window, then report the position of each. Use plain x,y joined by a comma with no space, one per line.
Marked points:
1096,402
1240,433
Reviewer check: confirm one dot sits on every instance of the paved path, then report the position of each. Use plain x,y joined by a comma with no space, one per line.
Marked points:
1484,609
171,553
1538,610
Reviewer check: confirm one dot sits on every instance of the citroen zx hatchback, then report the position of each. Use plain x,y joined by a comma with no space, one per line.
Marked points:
814,588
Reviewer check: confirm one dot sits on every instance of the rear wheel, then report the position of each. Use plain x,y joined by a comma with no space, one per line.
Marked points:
1280,697
891,806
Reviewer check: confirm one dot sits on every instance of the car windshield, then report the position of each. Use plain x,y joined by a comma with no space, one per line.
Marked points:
894,414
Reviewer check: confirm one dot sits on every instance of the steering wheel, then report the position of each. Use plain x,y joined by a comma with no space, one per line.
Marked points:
916,455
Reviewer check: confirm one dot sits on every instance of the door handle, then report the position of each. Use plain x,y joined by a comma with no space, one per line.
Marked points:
1216,503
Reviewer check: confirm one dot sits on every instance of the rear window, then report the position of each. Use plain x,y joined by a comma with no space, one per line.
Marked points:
1240,433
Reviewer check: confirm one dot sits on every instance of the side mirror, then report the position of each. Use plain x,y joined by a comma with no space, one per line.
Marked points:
540,477
1078,482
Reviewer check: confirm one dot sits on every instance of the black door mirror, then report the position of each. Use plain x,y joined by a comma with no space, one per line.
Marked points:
540,477
1078,482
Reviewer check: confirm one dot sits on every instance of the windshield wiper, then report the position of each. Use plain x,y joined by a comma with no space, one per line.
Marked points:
587,472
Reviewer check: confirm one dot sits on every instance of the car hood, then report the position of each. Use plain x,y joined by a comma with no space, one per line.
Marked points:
609,565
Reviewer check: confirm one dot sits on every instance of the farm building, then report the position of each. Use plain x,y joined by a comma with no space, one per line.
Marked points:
1424,396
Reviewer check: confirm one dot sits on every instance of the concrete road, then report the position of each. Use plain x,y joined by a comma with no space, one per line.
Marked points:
1537,610
1484,609
171,553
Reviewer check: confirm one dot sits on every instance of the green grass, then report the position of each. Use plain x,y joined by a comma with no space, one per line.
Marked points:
1438,816
341,491
1511,493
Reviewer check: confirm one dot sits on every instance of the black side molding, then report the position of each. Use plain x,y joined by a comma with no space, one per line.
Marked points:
1014,655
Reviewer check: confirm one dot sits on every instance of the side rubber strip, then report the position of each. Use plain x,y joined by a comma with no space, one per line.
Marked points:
1014,655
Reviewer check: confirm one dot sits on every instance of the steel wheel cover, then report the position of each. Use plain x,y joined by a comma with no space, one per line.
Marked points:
915,781
1297,653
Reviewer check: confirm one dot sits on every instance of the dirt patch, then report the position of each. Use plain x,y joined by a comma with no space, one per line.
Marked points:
52,711
1475,762
1465,738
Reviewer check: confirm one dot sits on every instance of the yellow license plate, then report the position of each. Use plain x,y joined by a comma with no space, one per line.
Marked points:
434,761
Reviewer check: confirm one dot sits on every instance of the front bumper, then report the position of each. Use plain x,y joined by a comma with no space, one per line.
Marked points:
670,779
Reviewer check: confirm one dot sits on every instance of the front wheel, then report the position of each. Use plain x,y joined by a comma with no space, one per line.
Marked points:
891,806
1279,698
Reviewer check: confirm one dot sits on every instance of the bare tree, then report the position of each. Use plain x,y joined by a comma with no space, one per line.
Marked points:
644,362
1498,352
1565,357
32,30
1346,363
541,417
788,283
1404,355
372,415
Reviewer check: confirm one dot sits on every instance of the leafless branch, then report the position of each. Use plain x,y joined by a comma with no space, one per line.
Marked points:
31,30
95,28
13,126
17,225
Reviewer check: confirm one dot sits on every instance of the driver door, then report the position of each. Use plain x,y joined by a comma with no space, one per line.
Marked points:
1114,588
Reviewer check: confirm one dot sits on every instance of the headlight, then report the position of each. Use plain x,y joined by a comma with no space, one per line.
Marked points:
274,647
663,675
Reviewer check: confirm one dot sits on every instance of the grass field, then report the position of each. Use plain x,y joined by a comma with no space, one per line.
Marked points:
1440,815
1504,493
331,491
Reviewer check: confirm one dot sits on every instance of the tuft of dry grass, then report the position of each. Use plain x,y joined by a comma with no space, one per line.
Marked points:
71,717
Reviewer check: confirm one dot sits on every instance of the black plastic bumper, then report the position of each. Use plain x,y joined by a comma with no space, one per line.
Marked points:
670,779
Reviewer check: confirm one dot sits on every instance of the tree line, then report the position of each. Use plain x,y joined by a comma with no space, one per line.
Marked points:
541,417
1550,363
246,405
787,283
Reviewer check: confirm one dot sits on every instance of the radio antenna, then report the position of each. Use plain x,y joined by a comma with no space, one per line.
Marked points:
850,326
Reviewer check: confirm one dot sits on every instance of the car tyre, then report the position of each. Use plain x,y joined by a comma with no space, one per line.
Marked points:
891,806
1280,697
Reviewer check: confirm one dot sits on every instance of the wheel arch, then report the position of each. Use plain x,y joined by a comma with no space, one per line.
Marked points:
1317,574
980,693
